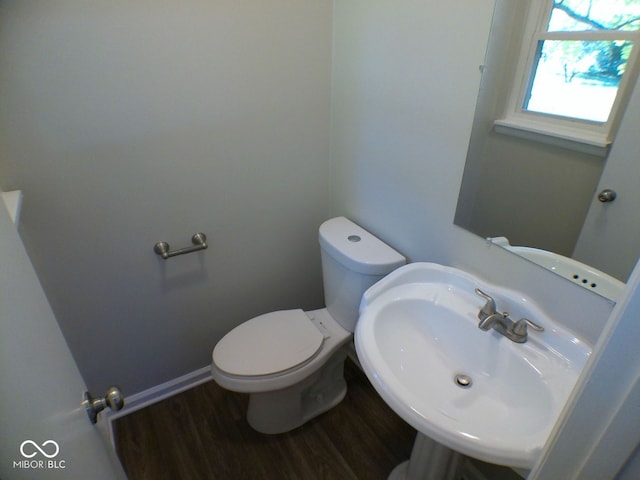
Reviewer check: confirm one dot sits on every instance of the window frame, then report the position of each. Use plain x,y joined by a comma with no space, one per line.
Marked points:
577,134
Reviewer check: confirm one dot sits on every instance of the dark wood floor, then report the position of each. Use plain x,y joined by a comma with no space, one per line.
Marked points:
203,434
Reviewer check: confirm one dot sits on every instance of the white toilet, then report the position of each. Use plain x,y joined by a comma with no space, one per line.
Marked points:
290,361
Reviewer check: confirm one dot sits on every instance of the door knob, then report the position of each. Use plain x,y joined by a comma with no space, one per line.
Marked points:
114,399
607,195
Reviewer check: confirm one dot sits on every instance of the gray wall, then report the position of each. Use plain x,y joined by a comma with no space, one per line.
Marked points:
533,194
127,123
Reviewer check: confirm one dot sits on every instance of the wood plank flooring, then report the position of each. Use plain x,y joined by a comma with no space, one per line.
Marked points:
203,434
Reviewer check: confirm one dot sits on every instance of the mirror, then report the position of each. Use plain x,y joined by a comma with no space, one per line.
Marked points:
519,191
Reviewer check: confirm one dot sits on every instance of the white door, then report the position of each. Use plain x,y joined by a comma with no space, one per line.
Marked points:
610,236
45,433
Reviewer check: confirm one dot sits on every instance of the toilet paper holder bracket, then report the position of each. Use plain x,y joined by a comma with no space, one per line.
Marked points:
199,241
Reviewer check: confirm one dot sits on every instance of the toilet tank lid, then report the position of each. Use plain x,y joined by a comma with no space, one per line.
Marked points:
357,249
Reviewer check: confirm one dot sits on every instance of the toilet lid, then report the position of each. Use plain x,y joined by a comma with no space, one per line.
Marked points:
267,344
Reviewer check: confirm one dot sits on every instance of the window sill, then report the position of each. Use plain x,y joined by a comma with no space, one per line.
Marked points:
580,140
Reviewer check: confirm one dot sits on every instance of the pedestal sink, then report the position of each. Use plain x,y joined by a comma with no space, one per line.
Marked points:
466,390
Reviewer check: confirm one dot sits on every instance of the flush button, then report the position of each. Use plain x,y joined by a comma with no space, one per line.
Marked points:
354,238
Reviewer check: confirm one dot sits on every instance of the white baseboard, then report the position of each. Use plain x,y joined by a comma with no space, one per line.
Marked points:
156,394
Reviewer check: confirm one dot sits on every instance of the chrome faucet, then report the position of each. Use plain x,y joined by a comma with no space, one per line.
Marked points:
500,321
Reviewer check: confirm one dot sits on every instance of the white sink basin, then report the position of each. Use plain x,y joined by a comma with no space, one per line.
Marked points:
418,339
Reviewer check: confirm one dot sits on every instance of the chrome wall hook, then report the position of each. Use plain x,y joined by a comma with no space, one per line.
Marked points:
199,241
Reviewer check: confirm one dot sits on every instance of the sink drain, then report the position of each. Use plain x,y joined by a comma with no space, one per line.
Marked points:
463,380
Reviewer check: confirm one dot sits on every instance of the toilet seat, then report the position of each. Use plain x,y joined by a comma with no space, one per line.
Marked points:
268,344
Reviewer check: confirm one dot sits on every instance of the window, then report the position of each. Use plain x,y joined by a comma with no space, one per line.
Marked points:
578,66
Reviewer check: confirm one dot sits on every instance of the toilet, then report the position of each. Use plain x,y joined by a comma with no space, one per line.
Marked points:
290,362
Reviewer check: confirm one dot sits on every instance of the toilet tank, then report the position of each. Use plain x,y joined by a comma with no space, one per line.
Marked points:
352,261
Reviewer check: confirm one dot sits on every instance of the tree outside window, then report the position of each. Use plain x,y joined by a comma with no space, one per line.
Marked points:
580,56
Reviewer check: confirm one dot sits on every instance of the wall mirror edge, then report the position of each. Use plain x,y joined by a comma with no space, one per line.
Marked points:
550,189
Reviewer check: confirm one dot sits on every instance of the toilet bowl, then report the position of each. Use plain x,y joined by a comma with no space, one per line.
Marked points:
290,362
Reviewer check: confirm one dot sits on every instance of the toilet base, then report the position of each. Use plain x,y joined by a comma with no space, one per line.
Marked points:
283,410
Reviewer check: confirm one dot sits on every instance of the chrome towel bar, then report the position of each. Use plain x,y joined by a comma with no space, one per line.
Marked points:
199,241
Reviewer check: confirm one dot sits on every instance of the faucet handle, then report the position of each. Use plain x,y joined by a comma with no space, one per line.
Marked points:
489,307
520,327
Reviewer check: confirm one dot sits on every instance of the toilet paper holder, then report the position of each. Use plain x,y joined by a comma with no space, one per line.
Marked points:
199,241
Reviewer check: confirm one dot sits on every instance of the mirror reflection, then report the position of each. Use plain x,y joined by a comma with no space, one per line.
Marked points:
541,191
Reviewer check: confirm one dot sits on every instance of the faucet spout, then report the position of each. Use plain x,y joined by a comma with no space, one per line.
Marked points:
491,321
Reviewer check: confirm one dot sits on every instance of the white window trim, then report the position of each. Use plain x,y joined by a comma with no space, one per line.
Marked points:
584,136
